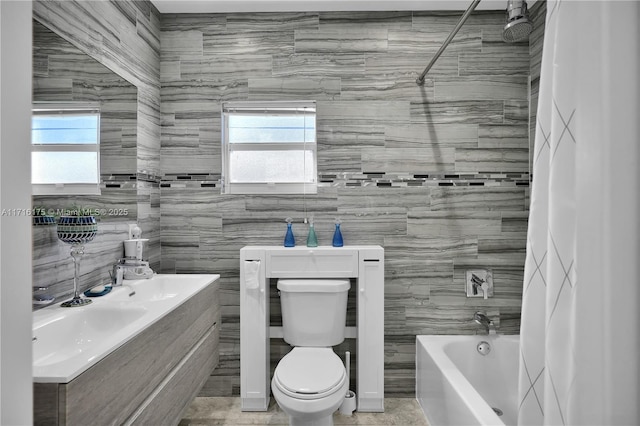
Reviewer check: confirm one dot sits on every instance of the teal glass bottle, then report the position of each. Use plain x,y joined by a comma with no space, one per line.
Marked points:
312,238
289,239
337,236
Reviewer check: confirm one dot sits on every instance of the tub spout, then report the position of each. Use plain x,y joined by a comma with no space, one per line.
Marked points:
482,319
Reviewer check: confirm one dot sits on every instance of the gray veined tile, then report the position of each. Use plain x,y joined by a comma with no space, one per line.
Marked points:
247,43
412,160
40,65
181,44
425,135
481,88
507,244
226,68
385,19
53,89
327,88
339,159
408,63
417,42
197,112
453,223
180,137
494,63
180,244
204,22
404,251
277,21
443,21
344,41
367,113
381,200
515,221
318,64
331,135
189,160
322,202
148,33
376,87
492,160
516,111
339,146
503,136
204,91
466,112
477,198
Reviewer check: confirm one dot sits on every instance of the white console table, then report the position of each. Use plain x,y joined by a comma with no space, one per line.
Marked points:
364,263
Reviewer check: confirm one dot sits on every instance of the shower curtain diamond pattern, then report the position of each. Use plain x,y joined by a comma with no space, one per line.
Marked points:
580,335
550,277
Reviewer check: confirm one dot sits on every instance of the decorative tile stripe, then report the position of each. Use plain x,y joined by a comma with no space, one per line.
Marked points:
189,180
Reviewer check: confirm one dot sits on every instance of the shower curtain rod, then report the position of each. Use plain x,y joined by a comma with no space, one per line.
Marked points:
472,6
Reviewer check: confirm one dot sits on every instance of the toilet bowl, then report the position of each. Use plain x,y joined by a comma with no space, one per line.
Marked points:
310,384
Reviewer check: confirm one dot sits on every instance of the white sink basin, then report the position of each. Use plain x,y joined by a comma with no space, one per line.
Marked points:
67,341
76,330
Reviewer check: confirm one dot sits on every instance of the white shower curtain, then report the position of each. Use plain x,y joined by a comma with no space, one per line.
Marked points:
580,328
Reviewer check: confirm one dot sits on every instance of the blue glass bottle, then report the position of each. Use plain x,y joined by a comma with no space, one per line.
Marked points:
289,240
337,235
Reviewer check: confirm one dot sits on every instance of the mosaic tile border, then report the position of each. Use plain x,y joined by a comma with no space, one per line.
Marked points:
196,180
127,180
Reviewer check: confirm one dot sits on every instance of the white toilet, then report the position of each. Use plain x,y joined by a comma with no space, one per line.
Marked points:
310,382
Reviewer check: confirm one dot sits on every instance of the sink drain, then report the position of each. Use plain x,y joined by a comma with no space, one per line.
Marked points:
497,411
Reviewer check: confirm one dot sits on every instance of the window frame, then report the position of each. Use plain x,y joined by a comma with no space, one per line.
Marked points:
69,109
260,108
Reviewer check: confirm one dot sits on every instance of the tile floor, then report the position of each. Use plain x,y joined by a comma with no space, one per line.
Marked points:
226,411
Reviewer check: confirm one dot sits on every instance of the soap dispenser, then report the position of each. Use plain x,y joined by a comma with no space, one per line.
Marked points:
312,238
337,235
289,240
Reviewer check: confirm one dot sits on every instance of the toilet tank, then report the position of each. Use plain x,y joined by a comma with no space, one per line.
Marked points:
314,311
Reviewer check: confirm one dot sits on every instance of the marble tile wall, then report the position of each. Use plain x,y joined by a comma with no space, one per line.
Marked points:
538,15
123,37
436,174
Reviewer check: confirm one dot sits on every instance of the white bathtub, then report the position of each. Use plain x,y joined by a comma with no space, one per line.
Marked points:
456,385
67,341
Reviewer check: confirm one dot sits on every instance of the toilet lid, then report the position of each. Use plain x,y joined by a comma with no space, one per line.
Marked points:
310,370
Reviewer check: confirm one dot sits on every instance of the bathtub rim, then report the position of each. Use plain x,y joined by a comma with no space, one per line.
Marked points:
434,346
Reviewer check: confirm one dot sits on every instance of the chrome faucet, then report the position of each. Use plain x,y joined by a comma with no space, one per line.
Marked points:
117,277
482,319
117,274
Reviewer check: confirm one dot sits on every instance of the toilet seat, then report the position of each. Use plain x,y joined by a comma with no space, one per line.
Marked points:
309,373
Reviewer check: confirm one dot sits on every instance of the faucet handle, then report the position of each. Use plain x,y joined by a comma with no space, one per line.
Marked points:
485,290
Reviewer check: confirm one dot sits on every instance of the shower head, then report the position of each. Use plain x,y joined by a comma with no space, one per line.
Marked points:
518,24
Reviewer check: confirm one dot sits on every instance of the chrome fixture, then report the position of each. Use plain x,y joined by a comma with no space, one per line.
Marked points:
420,80
483,348
117,276
518,25
479,283
517,28
482,319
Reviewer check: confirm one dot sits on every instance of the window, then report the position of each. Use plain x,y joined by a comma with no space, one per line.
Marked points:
269,147
65,149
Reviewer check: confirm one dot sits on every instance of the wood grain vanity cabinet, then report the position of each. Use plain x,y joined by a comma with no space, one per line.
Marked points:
150,380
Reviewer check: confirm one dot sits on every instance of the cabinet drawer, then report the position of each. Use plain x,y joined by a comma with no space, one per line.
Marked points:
310,263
